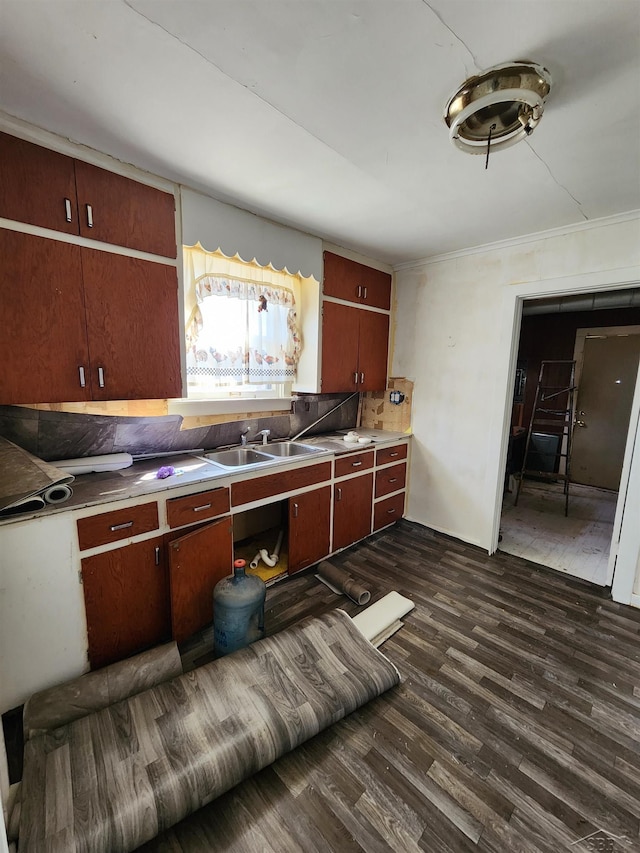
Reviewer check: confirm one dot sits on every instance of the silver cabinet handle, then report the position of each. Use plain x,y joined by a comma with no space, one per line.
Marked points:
67,210
123,526
101,377
356,464
200,508
393,479
157,556
338,494
89,216
83,381
355,377
359,291
364,296
396,453
361,378
295,510
390,511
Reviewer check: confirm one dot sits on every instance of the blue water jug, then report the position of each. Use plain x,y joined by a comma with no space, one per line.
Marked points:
238,610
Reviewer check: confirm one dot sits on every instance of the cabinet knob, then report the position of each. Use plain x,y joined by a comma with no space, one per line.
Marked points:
295,510
338,494
157,555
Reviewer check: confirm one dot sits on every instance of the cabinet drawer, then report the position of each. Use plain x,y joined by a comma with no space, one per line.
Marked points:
387,511
120,524
391,479
274,484
391,454
353,463
181,511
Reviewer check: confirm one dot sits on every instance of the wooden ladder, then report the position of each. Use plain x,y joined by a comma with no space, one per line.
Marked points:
555,383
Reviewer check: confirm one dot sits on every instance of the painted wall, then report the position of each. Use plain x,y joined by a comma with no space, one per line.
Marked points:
457,328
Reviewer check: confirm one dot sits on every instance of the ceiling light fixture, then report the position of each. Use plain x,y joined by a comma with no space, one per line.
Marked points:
497,108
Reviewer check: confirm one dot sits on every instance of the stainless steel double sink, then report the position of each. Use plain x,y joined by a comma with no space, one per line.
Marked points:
249,457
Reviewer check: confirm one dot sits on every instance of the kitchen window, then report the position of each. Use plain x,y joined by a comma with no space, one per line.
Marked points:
242,327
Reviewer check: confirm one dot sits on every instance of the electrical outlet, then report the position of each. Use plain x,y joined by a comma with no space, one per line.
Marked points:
396,397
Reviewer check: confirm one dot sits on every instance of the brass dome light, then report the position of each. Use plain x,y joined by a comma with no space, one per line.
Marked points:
498,107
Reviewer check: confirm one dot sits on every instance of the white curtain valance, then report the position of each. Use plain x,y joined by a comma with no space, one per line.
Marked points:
234,231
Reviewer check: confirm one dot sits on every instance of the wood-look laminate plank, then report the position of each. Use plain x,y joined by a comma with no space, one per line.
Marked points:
515,728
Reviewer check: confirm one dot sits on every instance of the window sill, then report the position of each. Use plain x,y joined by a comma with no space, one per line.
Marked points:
193,408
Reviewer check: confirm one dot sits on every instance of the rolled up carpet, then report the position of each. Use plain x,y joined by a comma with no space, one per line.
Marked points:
342,582
64,703
111,781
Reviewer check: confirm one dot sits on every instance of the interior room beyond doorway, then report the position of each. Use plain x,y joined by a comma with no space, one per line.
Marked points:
537,529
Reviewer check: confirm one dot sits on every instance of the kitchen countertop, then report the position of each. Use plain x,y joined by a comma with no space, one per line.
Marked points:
192,468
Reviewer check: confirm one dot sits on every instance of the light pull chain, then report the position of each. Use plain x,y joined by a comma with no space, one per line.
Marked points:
491,129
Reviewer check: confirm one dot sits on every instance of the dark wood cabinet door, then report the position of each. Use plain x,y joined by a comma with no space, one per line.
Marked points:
355,282
37,185
352,500
119,210
339,347
373,346
132,327
126,600
309,523
43,345
197,561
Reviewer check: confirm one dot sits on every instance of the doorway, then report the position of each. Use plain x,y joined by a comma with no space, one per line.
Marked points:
606,347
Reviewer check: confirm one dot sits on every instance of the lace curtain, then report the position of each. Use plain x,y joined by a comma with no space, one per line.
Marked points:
240,331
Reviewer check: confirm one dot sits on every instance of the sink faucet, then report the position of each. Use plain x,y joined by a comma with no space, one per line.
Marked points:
243,436
265,433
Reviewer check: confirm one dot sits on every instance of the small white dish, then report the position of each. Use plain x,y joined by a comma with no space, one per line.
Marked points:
364,440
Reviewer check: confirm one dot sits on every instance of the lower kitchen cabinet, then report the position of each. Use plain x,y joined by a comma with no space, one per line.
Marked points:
197,561
388,511
126,595
352,510
309,528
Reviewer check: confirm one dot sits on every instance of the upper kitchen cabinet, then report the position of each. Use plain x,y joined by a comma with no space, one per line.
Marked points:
43,346
81,324
117,210
354,348
354,282
139,358
37,186
42,187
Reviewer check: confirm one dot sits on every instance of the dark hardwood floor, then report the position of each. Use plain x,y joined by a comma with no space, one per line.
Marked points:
515,728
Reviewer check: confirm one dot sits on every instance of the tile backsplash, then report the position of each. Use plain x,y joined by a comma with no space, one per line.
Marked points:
53,435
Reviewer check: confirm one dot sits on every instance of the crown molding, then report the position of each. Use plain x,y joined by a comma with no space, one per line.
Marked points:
563,230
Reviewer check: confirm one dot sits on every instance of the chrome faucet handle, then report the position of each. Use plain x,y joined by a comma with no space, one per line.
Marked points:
243,436
265,433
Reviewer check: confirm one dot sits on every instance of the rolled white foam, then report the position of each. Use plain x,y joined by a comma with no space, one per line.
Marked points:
378,618
87,464
57,494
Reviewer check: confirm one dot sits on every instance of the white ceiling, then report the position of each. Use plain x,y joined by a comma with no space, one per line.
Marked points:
327,114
